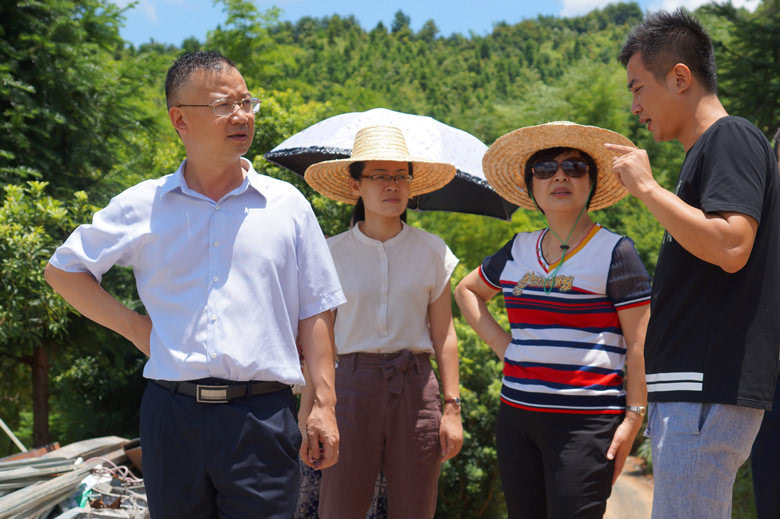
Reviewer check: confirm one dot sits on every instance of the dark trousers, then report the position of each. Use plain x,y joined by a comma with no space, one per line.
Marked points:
554,465
765,462
236,460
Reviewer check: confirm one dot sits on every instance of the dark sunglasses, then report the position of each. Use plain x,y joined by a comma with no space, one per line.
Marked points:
574,168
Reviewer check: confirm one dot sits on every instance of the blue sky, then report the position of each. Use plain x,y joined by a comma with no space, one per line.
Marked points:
172,21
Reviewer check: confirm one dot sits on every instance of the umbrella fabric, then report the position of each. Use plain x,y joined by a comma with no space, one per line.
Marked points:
427,138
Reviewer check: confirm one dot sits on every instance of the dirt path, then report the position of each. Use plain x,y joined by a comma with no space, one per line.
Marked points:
632,495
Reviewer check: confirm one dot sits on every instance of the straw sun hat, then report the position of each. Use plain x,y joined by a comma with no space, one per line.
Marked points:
331,178
504,162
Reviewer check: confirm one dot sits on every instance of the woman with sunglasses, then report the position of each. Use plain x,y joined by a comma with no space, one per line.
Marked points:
398,313
577,296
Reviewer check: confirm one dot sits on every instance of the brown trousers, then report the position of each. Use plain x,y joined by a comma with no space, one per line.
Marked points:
388,412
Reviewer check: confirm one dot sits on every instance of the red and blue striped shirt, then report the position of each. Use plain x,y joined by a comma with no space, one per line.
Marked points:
567,353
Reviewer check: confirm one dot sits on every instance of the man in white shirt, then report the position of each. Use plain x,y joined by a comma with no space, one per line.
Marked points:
233,269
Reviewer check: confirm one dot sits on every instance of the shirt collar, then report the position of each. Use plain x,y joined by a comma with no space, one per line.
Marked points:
176,182
358,234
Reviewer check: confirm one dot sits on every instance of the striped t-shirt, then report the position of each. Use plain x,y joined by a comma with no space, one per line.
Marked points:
567,353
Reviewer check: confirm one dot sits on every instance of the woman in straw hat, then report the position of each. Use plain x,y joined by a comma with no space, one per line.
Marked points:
577,297
397,282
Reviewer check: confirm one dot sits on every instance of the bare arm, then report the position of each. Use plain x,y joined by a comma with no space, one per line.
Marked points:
86,295
724,239
304,410
472,295
445,345
633,321
320,447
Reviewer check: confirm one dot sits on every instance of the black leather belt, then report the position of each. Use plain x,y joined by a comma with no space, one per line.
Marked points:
220,394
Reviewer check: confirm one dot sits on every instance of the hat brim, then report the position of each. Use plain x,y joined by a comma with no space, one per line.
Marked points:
331,178
504,162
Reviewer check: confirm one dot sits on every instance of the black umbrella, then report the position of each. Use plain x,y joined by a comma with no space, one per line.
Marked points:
427,138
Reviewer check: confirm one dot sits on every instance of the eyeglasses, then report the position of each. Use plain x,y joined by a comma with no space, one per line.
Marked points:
400,180
225,107
573,168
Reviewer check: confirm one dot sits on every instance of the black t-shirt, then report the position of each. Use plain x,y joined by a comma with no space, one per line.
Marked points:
714,336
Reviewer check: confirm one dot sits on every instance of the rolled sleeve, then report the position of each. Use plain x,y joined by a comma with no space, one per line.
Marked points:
95,248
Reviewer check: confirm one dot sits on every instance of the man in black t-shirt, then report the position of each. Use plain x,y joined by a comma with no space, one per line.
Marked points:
713,337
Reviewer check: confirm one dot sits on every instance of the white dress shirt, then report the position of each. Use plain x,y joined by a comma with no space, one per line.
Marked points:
225,283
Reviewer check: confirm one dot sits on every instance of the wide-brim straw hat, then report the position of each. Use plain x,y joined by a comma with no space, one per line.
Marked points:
331,178
504,162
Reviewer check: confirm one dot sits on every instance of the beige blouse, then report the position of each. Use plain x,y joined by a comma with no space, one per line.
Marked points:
389,286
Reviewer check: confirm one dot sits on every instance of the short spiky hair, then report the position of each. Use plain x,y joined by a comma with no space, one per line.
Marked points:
182,69
665,39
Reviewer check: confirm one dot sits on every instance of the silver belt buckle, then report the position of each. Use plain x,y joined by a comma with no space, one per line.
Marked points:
212,394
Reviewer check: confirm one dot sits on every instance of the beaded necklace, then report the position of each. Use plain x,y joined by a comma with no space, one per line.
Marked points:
549,281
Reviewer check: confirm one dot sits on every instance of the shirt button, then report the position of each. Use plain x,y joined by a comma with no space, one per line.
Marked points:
216,244
216,207
214,317
215,279
213,355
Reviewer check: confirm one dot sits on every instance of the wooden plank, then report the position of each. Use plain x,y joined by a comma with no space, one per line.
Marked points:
39,470
24,501
19,474
32,463
86,449
43,507
11,435
32,453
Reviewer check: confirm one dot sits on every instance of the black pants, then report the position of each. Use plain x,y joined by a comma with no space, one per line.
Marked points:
237,460
765,461
554,465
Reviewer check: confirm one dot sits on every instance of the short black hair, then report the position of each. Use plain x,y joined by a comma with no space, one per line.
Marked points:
776,141
182,69
666,38
550,154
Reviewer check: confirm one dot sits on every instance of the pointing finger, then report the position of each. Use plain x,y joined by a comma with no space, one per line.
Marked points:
619,148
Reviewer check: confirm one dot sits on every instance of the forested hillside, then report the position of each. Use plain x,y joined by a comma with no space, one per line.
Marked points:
83,116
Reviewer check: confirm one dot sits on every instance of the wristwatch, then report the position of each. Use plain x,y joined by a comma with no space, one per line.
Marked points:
638,409
455,401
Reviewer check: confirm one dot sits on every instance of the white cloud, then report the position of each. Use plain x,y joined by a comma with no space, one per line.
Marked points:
146,8
669,5
579,7
751,5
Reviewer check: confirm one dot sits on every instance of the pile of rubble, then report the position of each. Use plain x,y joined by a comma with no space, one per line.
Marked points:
93,478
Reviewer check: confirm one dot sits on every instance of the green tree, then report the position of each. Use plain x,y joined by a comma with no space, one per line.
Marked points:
67,100
749,62
282,115
401,22
246,39
74,114
470,485
428,31
32,317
